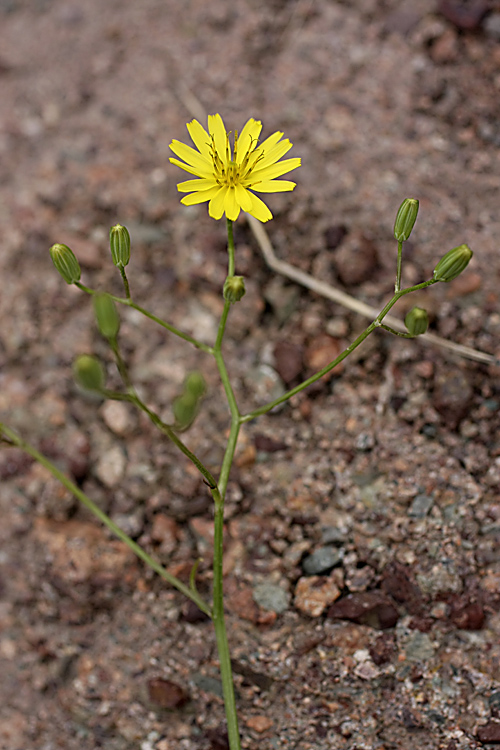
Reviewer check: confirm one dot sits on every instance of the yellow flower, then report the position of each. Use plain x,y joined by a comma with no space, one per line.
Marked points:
226,181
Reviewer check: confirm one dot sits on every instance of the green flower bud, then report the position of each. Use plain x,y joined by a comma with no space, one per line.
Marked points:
405,219
417,321
234,288
119,241
195,384
185,409
108,320
89,372
453,263
65,262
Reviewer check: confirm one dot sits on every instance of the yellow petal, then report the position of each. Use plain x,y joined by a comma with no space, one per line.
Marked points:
231,205
217,129
272,186
199,197
271,141
189,185
192,157
244,198
200,138
272,155
185,167
248,137
275,170
216,205
259,209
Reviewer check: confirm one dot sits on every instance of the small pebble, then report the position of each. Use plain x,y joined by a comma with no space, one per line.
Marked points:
271,597
166,694
110,467
321,560
420,506
313,594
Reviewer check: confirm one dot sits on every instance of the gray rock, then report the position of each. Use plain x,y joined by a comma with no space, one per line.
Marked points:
271,597
420,506
321,561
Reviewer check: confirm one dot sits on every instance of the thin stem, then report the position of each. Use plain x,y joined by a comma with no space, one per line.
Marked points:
125,282
397,333
397,286
96,511
220,628
120,363
377,323
219,495
230,247
154,318
298,388
169,432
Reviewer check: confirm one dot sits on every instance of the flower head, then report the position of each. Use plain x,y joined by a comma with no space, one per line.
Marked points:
226,179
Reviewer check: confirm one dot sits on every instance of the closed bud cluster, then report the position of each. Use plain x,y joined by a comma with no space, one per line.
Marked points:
186,406
108,320
119,241
405,219
453,263
65,262
234,288
89,372
417,321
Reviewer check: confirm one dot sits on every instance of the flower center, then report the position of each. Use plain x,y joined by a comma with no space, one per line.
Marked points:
231,172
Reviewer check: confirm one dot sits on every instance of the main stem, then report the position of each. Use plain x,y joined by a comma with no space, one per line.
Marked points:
219,496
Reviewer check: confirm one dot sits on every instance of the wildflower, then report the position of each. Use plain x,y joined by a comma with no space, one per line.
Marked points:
225,179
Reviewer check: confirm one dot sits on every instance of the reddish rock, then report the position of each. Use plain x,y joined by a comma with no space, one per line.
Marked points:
452,396
166,694
313,594
356,259
288,361
489,732
372,608
268,444
383,649
259,723
464,15
322,350
399,583
466,613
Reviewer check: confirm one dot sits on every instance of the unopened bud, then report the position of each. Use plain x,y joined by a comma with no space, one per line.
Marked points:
405,219
195,384
89,372
185,409
234,288
119,241
108,320
65,262
417,321
453,263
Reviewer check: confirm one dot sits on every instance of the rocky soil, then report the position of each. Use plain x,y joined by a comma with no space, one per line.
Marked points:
363,519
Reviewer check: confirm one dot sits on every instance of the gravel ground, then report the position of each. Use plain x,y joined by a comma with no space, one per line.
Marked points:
363,519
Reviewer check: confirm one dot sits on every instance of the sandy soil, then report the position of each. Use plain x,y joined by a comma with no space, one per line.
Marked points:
363,520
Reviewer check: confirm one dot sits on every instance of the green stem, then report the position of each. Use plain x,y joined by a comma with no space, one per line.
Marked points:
169,432
230,247
219,495
125,282
377,323
397,286
397,333
220,628
96,511
154,318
